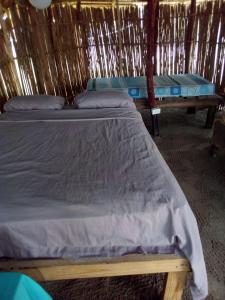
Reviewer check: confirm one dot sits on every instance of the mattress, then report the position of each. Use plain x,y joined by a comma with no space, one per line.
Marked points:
180,85
84,183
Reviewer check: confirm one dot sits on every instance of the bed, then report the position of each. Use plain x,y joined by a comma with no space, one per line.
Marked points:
179,85
91,184
174,91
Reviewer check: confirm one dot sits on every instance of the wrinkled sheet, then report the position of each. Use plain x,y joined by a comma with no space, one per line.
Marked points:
82,183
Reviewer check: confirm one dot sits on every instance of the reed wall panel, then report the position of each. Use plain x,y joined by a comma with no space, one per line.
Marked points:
55,51
208,44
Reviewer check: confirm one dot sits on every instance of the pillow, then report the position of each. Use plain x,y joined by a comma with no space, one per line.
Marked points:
36,102
104,99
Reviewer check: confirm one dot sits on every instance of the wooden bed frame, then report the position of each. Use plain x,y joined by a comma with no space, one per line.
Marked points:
210,102
60,269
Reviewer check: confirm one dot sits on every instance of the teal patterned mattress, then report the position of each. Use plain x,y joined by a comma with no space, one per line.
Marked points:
184,85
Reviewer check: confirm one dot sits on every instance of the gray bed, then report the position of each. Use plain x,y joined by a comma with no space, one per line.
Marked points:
84,183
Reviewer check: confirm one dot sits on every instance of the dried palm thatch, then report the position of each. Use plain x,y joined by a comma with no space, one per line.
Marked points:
55,51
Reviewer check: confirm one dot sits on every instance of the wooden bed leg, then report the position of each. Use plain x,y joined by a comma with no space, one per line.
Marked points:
210,117
191,110
155,125
175,284
212,150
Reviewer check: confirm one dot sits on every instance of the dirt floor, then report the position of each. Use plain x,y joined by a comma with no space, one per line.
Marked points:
184,144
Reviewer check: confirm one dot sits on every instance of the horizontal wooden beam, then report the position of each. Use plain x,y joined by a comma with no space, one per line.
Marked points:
206,101
201,102
58,269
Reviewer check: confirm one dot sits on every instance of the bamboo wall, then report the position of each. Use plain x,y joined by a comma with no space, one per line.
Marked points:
55,51
208,43
172,27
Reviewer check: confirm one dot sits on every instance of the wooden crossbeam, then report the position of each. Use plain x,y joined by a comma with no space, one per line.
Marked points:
180,102
59,269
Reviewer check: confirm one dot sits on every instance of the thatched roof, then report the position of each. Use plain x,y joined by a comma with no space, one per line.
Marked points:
100,3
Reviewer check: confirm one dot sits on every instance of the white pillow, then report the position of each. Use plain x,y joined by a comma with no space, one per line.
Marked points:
104,99
36,102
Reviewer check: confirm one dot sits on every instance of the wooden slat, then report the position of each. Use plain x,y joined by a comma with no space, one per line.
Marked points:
57,269
175,285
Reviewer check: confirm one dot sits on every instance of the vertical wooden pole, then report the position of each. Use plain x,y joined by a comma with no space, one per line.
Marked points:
150,51
188,41
84,38
156,35
189,34
78,9
175,285
119,35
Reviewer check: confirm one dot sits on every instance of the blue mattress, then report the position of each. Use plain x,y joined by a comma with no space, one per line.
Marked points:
184,85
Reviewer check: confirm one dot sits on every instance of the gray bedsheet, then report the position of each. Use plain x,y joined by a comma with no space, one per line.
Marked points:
80,183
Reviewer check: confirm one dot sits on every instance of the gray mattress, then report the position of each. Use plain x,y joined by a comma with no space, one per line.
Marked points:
81,183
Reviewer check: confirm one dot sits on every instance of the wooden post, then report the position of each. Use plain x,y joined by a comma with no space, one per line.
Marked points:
119,35
189,34
210,117
2,102
78,7
85,41
150,51
156,35
188,40
78,10
175,285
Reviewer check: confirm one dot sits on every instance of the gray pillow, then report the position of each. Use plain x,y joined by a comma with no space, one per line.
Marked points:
36,102
104,99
